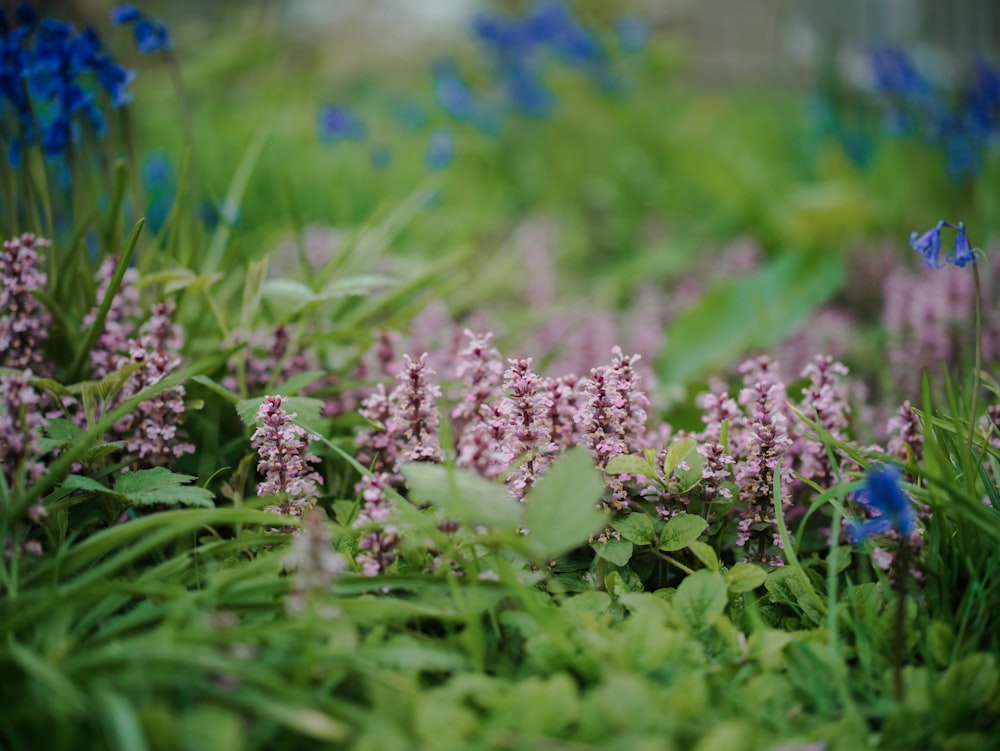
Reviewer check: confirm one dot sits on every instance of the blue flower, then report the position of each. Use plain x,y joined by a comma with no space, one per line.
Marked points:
890,506
454,95
440,150
338,123
150,35
964,253
928,245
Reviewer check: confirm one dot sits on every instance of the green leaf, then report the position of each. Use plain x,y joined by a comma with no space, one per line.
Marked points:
79,482
287,295
463,495
149,479
705,553
747,313
299,381
681,531
633,465
677,453
635,527
61,432
561,509
615,551
700,597
745,577
175,496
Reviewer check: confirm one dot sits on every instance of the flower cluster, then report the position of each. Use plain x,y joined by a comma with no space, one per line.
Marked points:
284,459
151,431
49,76
24,323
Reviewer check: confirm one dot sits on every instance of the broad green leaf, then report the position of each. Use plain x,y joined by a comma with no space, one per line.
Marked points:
561,509
747,313
633,465
635,527
287,295
700,597
185,495
705,553
678,452
362,284
615,551
463,495
745,577
681,531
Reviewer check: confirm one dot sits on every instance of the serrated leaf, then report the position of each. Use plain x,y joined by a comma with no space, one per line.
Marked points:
615,550
705,553
463,495
635,527
699,599
306,410
80,482
681,531
745,577
149,479
561,509
184,495
633,465
60,432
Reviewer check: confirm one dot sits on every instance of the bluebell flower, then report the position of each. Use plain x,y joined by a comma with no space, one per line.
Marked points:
964,252
337,123
440,150
928,245
527,91
891,508
150,34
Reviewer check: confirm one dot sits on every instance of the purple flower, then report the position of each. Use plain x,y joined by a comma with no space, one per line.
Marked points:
24,323
963,253
20,425
528,427
928,245
284,459
891,507
315,564
415,417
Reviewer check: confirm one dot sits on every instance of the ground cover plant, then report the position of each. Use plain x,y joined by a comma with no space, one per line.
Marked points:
454,406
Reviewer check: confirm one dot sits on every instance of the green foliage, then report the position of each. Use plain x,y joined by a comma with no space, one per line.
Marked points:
146,487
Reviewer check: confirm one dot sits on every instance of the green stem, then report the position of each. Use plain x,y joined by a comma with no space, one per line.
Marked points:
673,561
977,372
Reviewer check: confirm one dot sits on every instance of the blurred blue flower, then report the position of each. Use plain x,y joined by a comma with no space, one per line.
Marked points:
158,173
928,245
337,123
526,91
633,33
891,508
451,91
47,73
150,35
440,150
964,253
